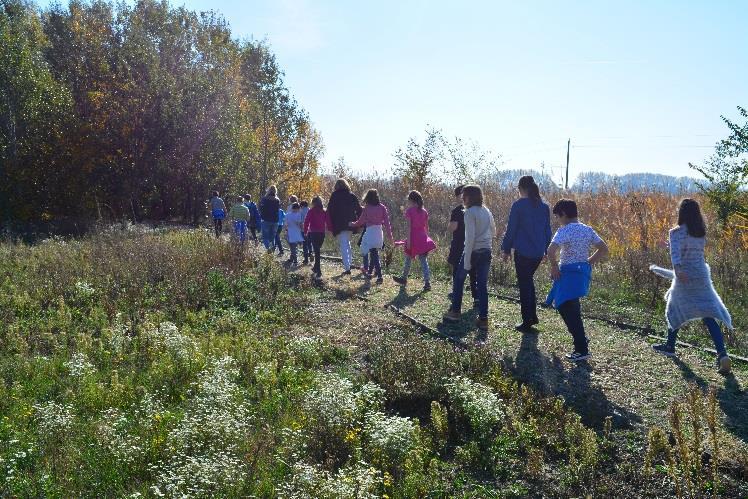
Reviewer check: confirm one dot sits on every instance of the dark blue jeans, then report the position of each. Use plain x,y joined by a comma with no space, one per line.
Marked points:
374,265
268,235
471,274
526,268
481,266
714,330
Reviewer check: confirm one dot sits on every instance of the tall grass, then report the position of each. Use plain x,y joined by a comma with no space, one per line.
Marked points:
635,226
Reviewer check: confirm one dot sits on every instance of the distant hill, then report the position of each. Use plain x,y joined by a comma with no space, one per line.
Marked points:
596,181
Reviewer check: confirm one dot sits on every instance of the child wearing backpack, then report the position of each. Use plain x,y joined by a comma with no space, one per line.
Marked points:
281,224
239,214
254,217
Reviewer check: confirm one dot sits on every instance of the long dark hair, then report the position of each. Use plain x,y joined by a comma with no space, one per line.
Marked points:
371,197
416,197
317,201
527,184
689,213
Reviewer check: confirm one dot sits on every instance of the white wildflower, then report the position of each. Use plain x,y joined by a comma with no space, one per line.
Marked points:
475,405
84,289
390,438
307,350
53,418
79,366
207,456
112,434
360,481
167,337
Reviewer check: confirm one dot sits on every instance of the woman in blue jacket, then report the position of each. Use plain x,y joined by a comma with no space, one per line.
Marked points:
528,233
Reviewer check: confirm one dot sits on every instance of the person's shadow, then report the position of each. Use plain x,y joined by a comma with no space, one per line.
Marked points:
402,299
549,377
733,400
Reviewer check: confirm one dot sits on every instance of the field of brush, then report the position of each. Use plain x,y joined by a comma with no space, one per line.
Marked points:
148,363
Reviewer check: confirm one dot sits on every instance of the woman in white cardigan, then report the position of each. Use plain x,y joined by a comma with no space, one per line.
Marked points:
692,295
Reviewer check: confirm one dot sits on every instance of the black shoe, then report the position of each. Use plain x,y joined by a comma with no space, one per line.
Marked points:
400,280
380,280
578,357
347,272
524,327
427,286
664,349
306,262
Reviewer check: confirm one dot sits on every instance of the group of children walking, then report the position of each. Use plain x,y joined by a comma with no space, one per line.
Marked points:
571,252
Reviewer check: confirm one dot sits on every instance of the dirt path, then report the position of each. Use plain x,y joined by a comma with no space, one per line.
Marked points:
624,379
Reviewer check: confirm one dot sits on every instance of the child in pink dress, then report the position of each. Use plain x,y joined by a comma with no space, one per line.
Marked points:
418,244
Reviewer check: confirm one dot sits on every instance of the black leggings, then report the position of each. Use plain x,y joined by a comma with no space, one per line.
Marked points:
218,224
317,239
571,313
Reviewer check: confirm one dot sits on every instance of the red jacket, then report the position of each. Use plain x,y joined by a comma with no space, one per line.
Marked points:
317,220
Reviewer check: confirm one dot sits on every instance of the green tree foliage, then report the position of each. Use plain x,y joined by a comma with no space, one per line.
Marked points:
139,110
416,163
34,110
727,174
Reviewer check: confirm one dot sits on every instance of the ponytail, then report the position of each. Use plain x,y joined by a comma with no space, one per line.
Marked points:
527,184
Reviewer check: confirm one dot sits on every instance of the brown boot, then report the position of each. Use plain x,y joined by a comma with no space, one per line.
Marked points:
481,324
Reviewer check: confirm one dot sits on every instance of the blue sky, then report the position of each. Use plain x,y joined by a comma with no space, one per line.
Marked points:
637,85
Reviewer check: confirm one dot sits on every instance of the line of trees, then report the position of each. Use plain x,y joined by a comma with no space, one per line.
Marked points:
138,111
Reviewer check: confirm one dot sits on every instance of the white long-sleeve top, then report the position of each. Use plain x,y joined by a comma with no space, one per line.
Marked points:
480,231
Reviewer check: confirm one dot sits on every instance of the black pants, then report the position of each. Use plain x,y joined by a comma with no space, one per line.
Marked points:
571,313
317,239
253,231
218,226
526,268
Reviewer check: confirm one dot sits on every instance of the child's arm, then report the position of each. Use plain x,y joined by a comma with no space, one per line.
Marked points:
511,229
600,253
469,239
552,252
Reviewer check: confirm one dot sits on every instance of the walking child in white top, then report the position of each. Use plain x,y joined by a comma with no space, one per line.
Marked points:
571,270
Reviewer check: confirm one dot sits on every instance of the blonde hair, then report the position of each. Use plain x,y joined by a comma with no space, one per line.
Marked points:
342,185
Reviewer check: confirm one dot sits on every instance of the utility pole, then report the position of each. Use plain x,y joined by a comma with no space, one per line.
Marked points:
568,146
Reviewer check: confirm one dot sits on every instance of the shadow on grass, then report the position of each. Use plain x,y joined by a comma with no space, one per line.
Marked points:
733,400
402,299
548,376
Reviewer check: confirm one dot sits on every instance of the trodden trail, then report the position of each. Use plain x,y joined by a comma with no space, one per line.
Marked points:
624,380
